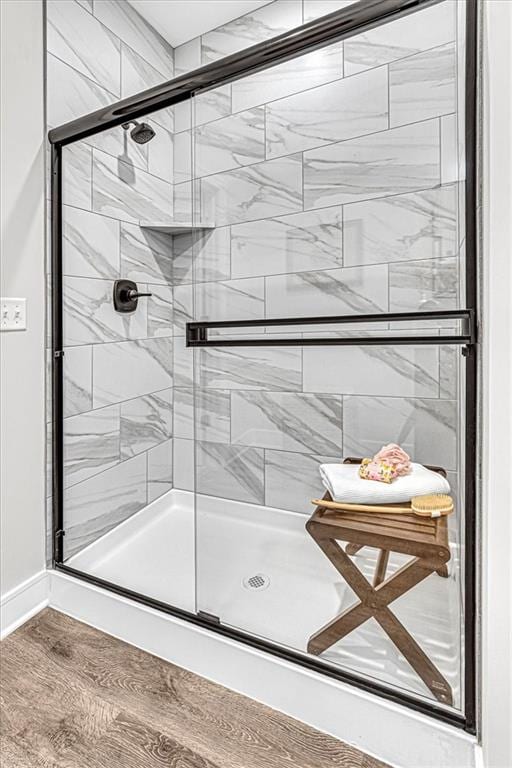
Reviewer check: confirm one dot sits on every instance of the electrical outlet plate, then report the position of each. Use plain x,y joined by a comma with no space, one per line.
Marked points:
13,314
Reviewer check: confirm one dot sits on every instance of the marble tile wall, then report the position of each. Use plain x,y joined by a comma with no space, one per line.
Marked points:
118,378
118,372
333,182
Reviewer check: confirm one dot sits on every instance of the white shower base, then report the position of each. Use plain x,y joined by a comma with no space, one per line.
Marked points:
162,552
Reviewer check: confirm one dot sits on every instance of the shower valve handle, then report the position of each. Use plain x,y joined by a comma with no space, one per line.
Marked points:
126,295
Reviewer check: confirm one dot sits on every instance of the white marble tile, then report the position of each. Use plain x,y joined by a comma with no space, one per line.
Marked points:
358,290
286,421
202,256
160,470
69,94
183,412
418,225
77,387
187,57
183,366
128,369
254,27
146,256
292,479
451,363
136,73
313,9
117,142
229,471
231,300
90,245
250,368
183,307
184,253
212,413
98,504
164,117
390,162
340,110
302,72
135,31
450,167
182,160
187,201
255,192
426,429
77,176
183,115
89,316
427,28
424,285
145,422
212,104
159,310
91,444
373,370
77,38
230,142
183,464
160,154
423,86
124,192
294,243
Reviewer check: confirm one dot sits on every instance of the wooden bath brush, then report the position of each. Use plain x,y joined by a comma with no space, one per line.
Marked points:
430,505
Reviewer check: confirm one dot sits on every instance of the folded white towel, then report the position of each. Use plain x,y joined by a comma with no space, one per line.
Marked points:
344,484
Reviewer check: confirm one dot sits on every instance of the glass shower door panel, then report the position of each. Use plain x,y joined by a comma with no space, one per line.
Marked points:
124,519
332,187
267,418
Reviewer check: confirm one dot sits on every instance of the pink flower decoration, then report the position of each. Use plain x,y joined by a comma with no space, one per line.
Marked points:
396,456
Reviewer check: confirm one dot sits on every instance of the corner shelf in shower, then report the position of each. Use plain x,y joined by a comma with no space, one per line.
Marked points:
175,227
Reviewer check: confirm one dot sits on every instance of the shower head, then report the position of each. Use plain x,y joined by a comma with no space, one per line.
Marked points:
142,133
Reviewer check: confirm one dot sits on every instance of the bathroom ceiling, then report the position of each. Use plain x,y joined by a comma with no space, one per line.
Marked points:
181,20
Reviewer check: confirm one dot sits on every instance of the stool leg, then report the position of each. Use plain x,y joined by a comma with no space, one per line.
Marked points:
416,657
380,570
353,549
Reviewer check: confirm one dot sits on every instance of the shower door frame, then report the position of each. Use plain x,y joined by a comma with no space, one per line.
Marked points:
339,25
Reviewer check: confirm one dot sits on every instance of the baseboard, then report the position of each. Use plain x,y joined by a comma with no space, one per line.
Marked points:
23,602
479,757
392,733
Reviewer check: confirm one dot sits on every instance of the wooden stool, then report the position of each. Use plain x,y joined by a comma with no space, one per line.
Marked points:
425,539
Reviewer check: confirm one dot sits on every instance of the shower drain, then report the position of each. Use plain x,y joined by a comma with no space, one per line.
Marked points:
258,581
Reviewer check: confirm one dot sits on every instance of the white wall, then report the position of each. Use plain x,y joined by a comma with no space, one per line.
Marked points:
497,383
22,274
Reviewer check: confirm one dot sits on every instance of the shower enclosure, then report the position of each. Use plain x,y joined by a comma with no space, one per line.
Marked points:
279,272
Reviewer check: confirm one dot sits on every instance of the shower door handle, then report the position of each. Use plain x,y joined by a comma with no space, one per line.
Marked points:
197,333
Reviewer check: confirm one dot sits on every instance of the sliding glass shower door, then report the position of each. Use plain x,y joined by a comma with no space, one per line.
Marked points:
125,518
331,318
276,283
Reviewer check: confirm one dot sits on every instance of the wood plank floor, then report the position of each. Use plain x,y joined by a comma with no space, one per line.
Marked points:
73,697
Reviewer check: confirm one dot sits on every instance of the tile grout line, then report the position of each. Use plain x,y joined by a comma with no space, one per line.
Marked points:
323,146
